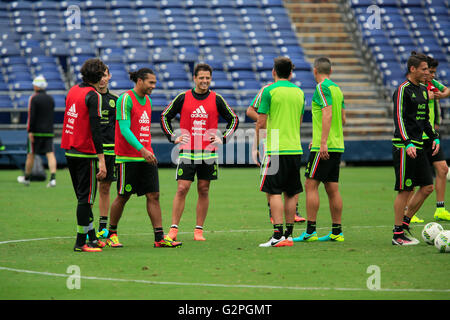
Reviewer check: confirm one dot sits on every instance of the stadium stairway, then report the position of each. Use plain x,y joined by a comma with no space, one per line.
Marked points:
327,28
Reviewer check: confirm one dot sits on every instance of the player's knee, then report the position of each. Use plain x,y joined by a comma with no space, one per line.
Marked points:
442,169
203,191
182,190
153,196
428,189
104,188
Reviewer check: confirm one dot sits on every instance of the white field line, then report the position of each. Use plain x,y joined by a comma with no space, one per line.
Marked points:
240,286
209,284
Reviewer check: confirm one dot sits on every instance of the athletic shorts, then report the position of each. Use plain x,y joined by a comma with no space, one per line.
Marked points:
323,170
137,177
428,147
281,173
41,145
110,162
187,169
410,172
83,173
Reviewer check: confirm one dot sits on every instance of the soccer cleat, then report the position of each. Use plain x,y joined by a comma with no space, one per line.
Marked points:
167,243
51,183
198,235
441,214
416,219
99,243
332,237
287,242
306,237
173,232
273,243
113,241
88,247
403,240
299,218
22,180
103,234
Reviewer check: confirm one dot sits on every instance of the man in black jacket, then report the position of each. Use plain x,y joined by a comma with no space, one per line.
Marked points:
411,165
40,131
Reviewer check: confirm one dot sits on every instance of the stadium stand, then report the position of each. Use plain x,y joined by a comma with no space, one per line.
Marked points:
239,38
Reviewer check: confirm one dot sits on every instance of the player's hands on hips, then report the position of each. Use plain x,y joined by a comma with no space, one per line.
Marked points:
149,156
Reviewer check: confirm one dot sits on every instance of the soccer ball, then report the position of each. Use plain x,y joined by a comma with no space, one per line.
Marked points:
430,231
442,241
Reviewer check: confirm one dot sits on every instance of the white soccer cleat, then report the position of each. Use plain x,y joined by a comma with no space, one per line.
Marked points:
273,243
22,180
51,183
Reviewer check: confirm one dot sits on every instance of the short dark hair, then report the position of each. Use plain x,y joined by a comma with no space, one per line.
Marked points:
202,67
432,62
283,67
140,74
415,59
93,70
323,65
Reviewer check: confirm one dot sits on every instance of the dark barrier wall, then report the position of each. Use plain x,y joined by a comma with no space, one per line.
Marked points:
233,154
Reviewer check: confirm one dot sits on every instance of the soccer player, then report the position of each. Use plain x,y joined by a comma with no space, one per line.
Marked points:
137,168
107,123
252,113
435,90
199,110
280,113
328,117
41,107
411,165
82,140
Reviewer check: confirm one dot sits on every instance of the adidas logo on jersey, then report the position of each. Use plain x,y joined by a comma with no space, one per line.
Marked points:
200,112
72,112
144,118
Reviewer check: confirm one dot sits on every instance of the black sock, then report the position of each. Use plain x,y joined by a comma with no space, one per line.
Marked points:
296,209
277,231
28,176
53,176
336,228
398,231
440,204
311,227
92,235
112,229
406,221
103,222
159,234
289,229
81,239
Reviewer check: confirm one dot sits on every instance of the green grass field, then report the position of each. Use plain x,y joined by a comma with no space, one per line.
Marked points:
38,228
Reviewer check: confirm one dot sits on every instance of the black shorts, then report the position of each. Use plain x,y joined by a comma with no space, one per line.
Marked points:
411,172
83,173
187,169
428,147
110,162
137,177
281,173
41,145
323,170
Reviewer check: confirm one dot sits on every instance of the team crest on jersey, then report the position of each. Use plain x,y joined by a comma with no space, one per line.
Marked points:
144,118
425,94
200,112
112,103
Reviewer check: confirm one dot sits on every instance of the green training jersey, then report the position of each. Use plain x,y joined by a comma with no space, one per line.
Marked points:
284,104
328,94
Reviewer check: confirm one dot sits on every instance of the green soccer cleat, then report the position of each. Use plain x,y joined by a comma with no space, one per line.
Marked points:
333,237
306,237
103,234
416,219
441,214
